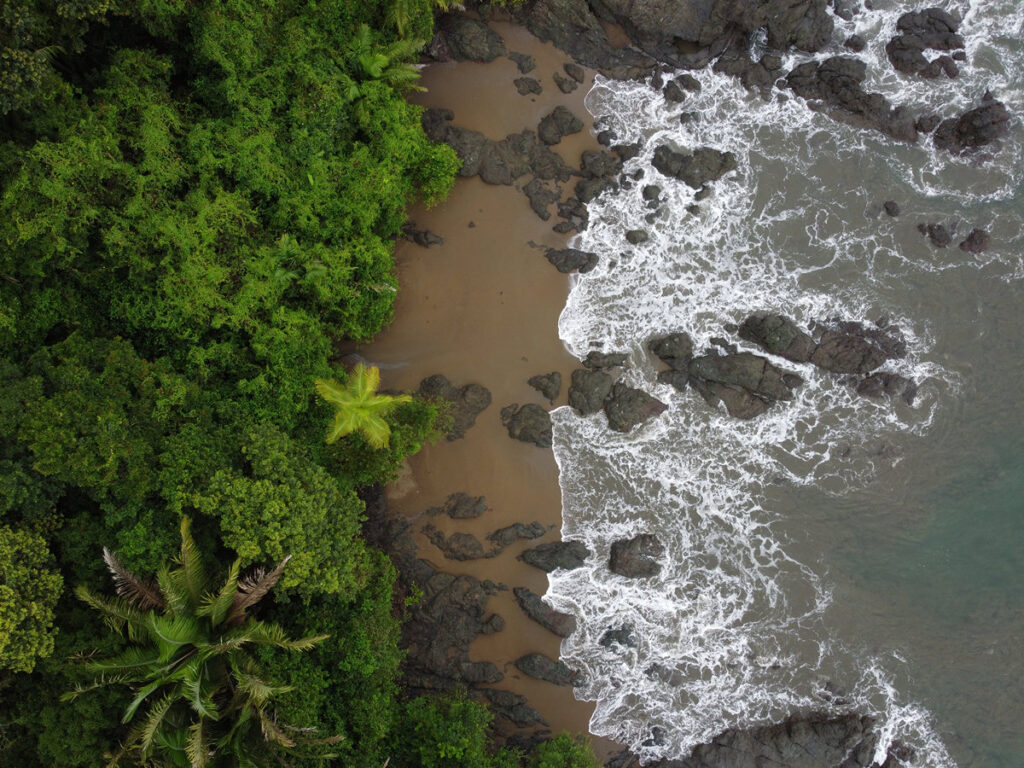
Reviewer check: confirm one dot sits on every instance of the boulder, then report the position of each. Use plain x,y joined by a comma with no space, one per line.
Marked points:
510,534
846,353
620,635
636,558
533,605
930,28
596,361
571,260
549,557
627,407
575,71
422,237
637,236
527,86
588,391
548,384
460,506
977,241
523,61
675,350
541,195
695,169
513,708
458,546
974,128
887,384
778,335
747,384
891,208
539,666
938,235
529,423
565,84
466,402
558,123
471,39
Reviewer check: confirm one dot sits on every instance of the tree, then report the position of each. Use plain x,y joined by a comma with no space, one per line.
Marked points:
28,593
359,407
206,699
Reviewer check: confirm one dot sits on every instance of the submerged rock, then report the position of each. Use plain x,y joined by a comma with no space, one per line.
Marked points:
548,384
533,605
589,390
422,237
549,557
620,635
460,506
627,407
977,241
466,402
636,558
529,423
539,666
601,360
890,384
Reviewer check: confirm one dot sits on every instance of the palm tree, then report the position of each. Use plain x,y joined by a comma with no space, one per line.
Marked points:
359,406
200,698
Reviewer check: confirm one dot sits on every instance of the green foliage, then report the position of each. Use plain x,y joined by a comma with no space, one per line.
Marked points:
445,733
358,407
282,503
29,589
199,692
563,751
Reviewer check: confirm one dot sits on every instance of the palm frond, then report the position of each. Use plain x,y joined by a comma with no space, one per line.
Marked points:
174,591
271,634
191,562
197,748
101,682
333,392
139,592
172,633
376,431
132,662
216,606
116,612
258,691
253,588
136,702
144,737
272,731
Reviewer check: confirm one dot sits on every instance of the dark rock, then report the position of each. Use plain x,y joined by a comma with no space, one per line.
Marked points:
891,207
466,402
938,235
651,193
627,407
771,62
931,28
492,624
855,43
695,169
637,236
571,260
628,152
513,707
846,353
470,39
745,383
590,189
477,672
422,237
548,384
575,213
562,624
606,137
974,128
529,423
778,335
588,391
886,337
836,84
541,195
510,534
558,123
677,379
547,164
600,360
736,61
541,667
675,350
688,83
460,506
523,61
673,93
566,555
527,85
458,546
565,84
891,384
636,558
927,123
621,635
575,71
977,241
600,165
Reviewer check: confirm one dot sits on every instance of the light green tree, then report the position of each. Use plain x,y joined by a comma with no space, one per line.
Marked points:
359,407
29,589
199,696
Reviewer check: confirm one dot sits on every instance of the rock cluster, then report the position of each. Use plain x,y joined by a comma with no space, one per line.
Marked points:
931,28
533,605
529,423
466,402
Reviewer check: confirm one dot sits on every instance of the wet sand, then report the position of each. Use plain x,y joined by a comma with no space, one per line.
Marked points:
483,307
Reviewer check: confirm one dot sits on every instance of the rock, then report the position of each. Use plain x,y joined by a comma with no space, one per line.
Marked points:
571,260
846,353
973,129
565,84
600,165
688,83
621,635
513,707
566,555
575,214
636,558
492,624
673,93
510,534
891,384
736,61
677,379
931,28
651,193
541,667
562,624
588,391
466,402
422,237
771,62
575,71
927,123
637,236
458,546
695,169
527,85
523,61
471,39
938,235
548,384
606,137
778,335
675,350
627,407
891,208
542,194
601,360
529,423
745,383
855,43
977,241
558,123
836,84
460,506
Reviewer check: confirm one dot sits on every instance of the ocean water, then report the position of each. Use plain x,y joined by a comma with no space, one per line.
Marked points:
838,553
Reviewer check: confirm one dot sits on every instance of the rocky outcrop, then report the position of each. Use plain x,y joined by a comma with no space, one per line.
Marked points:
977,240
599,361
937,234
931,28
556,555
835,86
887,384
548,384
627,407
600,171
460,506
513,708
778,335
696,169
541,195
747,384
618,636
571,260
470,39
539,666
636,558
974,128
558,123
422,237
565,84
589,390
466,402
529,423
457,546
846,353
523,61
510,534
675,350
533,605
527,86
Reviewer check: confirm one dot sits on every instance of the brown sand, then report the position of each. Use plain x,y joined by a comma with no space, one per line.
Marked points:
483,307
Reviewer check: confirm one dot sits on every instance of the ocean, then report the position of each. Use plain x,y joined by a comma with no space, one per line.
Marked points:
838,553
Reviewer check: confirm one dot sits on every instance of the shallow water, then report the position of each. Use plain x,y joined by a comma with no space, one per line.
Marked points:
869,544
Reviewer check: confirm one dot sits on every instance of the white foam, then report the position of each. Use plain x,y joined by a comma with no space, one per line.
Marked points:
733,630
